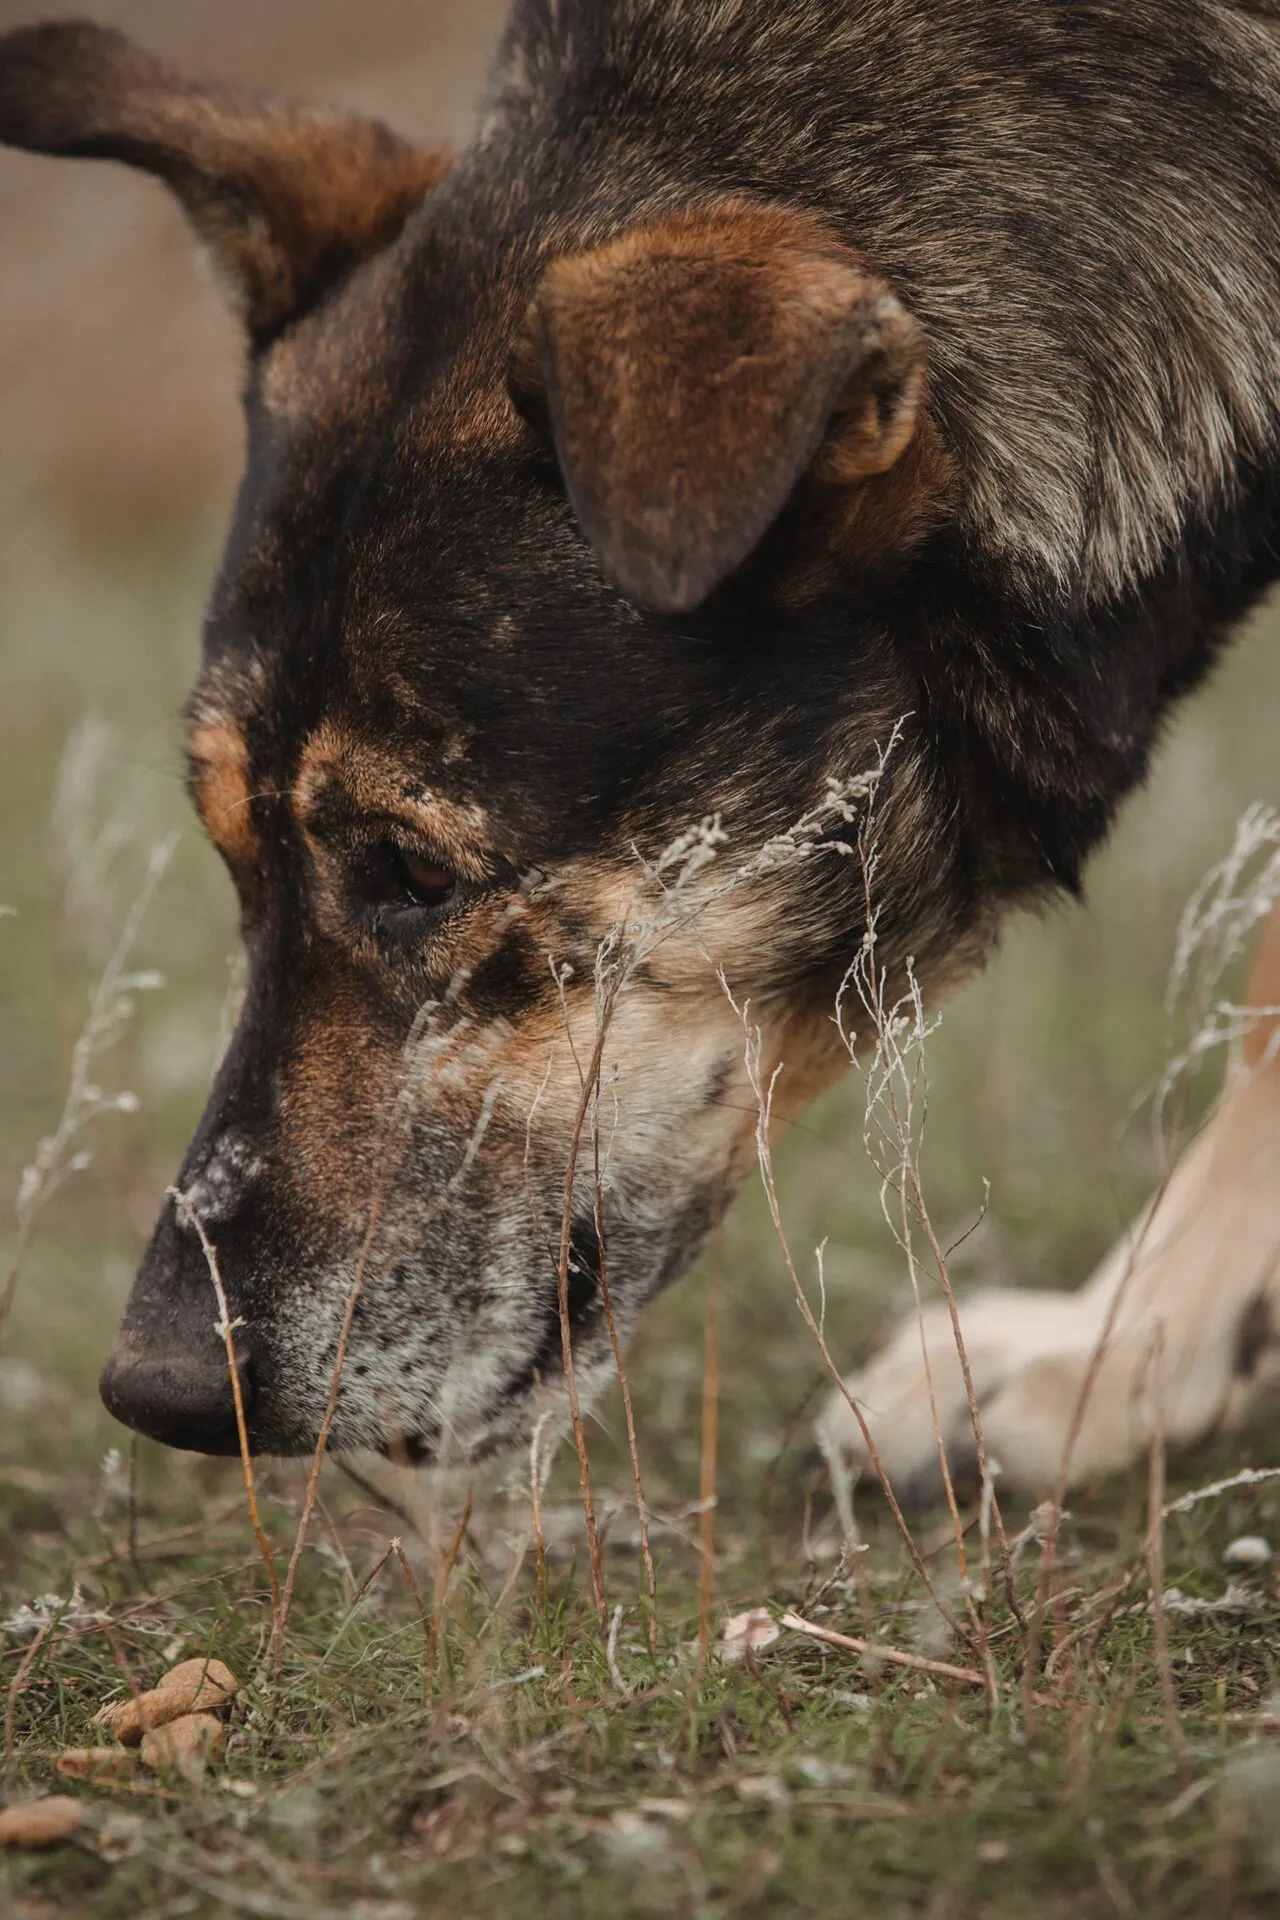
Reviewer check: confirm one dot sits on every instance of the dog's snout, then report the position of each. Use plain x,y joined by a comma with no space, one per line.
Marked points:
169,1375
179,1392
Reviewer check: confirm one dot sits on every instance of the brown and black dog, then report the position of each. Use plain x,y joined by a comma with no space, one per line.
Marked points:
768,381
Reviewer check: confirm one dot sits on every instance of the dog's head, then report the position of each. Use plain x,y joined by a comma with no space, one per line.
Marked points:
541,562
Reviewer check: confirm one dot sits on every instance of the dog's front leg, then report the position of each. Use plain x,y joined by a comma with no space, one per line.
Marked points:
1179,1328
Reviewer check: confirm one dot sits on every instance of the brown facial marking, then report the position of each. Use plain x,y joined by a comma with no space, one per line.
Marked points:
338,764
336,1094
219,764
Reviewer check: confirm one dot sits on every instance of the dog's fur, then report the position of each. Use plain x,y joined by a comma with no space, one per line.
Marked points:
764,378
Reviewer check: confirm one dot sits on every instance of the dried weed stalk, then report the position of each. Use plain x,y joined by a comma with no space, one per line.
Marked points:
672,894
708,1447
1155,1558
226,1328
894,1023
442,1582
763,1091
637,1481
1235,897
666,899
62,1154
892,1015
1215,929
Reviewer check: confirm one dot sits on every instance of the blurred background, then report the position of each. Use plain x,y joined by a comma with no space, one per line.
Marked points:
119,449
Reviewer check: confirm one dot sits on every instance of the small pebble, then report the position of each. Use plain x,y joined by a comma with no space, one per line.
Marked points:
40,1823
185,1746
107,1766
748,1632
1250,1550
194,1686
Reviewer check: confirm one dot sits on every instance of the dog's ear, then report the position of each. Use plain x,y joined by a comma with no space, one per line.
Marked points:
692,371
287,199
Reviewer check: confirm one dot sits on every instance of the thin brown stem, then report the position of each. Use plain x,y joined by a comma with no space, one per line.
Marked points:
642,1509
975,1418
372,1575
226,1327
710,1437
1155,1562
354,1293
902,1132
764,1157
428,1624
535,1499
1048,1546
16,1686
589,1080
393,1133
893,1656
442,1588
977,1620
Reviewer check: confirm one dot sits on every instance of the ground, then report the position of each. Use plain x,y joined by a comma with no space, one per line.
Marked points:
521,1769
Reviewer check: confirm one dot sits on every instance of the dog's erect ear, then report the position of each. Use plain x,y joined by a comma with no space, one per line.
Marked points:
286,198
693,370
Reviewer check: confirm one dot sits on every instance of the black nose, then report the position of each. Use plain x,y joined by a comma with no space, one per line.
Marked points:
181,1395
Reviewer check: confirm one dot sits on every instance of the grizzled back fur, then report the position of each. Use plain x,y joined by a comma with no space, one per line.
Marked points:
1078,201
769,380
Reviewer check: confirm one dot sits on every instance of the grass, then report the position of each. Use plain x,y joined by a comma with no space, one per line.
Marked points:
523,1781
526,1773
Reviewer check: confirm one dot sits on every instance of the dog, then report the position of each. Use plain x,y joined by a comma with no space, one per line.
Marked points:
774,393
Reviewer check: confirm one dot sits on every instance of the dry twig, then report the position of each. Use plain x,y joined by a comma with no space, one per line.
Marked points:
707,1464
1155,1560
874,1650
226,1326
16,1686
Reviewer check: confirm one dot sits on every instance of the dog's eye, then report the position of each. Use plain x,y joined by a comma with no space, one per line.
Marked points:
391,880
422,882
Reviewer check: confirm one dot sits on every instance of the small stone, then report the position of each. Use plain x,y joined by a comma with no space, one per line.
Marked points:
194,1686
1249,1551
121,1836
40,1823
748,1632
185,1746
242,1789
765,1789
105,1765
207,1684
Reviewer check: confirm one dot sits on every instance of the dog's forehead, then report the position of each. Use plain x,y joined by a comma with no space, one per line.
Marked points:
405,565
382,451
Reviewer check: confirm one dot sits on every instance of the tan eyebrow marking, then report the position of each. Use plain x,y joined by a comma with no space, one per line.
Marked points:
220,782
376,783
